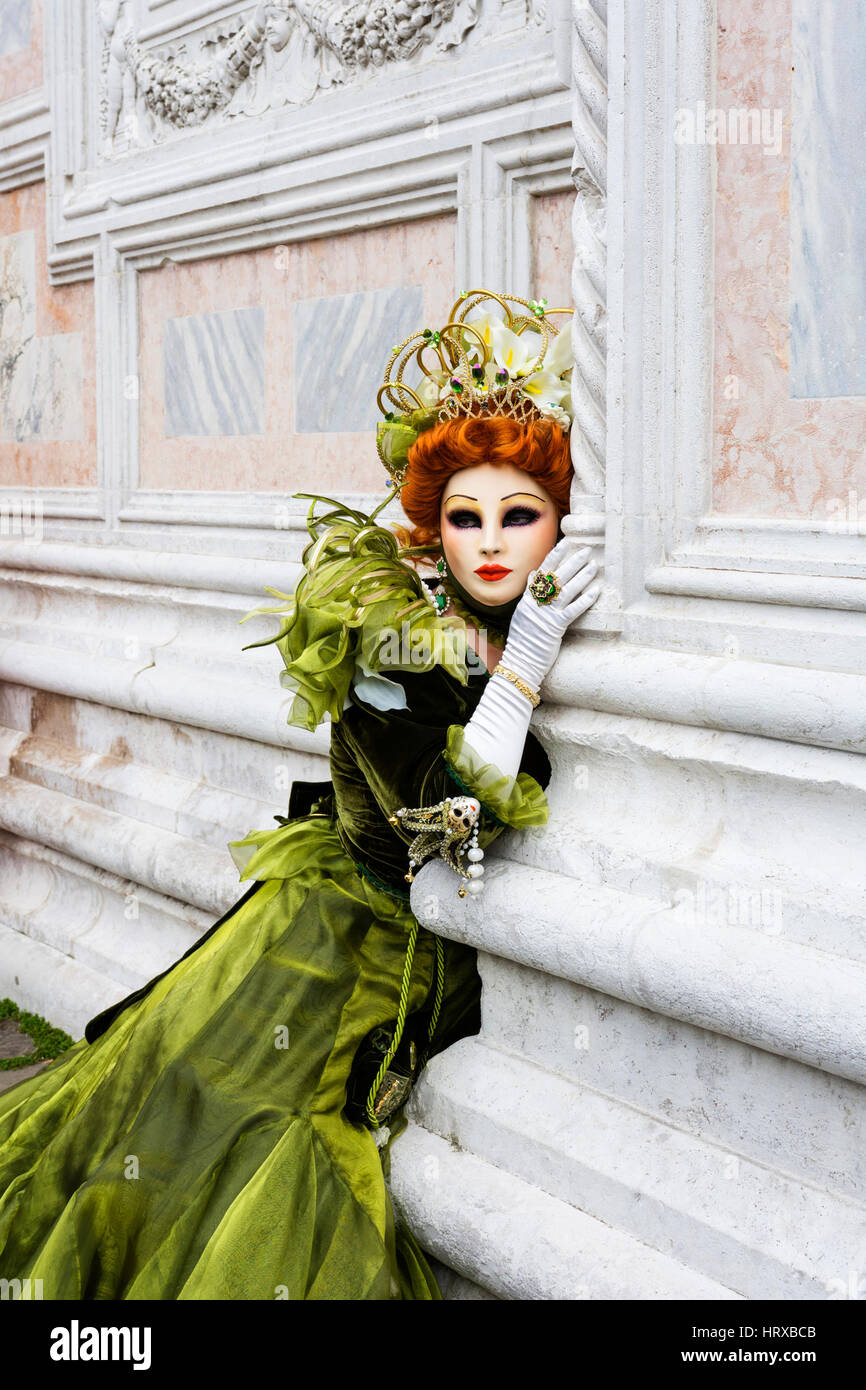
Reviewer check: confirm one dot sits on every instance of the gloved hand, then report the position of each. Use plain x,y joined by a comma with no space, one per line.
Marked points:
498,727
536,631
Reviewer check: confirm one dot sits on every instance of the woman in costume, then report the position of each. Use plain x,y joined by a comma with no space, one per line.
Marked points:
224,1132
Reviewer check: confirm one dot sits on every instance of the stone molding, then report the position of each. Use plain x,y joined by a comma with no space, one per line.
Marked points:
750,692
648,953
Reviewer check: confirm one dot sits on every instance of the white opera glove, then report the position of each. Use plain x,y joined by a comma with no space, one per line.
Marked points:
498,727
536,630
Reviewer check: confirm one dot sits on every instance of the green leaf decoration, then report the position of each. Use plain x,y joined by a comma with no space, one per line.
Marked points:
357,601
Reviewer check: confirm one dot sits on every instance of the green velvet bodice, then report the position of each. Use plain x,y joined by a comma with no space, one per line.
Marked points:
382,760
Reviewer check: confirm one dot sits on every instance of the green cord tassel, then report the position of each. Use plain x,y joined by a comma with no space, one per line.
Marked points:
401,1016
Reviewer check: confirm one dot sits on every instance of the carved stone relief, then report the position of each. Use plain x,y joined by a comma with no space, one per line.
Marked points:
281,52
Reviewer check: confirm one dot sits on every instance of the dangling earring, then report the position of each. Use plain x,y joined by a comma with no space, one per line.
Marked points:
440,595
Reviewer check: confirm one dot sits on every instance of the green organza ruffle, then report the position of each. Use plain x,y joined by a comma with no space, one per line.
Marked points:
357,609
516,802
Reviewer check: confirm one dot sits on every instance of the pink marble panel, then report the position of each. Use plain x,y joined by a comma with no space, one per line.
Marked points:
774,455
22,71
412,253
552,251
60,309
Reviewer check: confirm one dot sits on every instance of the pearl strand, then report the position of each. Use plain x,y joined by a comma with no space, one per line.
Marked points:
474,873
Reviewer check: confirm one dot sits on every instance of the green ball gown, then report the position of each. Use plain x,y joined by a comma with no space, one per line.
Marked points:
224,1132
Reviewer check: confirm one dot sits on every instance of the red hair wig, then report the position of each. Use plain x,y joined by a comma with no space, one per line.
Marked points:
538,446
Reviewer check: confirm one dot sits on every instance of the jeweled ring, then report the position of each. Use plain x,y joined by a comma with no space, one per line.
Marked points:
545,588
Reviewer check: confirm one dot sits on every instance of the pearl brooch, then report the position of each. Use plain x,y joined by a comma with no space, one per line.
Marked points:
449,828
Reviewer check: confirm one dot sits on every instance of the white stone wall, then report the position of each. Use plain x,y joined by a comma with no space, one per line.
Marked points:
666,1097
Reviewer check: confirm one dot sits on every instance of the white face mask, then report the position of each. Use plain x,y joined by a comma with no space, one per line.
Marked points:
497,523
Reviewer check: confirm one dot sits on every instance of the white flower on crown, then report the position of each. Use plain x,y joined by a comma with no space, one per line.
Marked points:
515,351
484,321
543,386
559,357
548,384
556,413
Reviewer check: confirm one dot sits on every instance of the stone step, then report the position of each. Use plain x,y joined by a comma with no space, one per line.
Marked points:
174,865
194,693
188,569
775,1111
454,1288
731,1220
115,927
140,625
160,799
801,1003
225,762
109,860
53,984
508,1237
734,830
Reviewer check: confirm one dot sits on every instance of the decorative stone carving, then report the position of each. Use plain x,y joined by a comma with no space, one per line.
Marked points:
281,53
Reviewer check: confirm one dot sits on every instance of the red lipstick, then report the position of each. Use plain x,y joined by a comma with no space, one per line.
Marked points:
492,572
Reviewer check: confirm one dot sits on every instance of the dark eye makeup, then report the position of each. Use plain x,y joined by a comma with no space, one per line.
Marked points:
464,519
520,516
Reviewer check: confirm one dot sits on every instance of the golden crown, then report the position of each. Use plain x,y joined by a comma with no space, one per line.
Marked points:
489,360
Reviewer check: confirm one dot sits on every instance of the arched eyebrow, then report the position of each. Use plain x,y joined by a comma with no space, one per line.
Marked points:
467,498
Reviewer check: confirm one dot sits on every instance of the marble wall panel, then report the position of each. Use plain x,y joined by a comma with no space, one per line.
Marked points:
552,251
828,200
214,373
301,445
41,399
47,358
778,453
341,345
20,47
14,26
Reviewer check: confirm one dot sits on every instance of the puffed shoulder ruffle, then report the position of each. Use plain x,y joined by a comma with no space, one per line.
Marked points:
359,611
516,802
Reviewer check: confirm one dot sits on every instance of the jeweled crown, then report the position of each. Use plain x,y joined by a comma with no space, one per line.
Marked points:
487,359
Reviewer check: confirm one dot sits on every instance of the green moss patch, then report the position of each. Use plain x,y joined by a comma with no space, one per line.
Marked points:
48,1042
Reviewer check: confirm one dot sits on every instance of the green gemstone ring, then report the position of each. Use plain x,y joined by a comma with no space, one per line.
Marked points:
545,588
